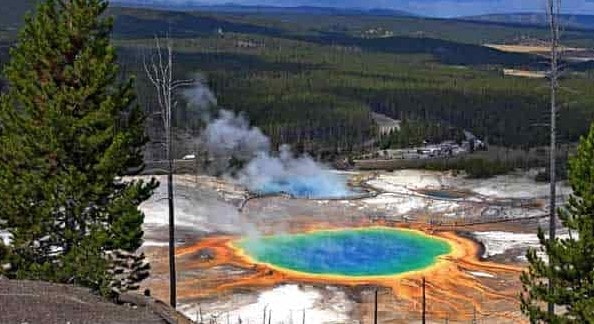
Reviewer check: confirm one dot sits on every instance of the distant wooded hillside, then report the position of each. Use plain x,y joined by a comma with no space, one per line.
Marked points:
313,81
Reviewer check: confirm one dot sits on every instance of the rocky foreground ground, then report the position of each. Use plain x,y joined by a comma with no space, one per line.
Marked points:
47,303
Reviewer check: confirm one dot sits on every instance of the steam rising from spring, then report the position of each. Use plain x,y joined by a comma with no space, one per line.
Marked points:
297,176
200,96
229,136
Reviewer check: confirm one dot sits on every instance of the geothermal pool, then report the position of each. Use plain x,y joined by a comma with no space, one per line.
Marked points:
445,194
366,252
321,185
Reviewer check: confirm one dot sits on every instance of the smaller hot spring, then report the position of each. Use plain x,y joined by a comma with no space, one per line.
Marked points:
325,185
350,252
299,177
445,193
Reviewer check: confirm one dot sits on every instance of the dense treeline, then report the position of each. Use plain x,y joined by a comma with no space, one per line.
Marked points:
315,88
510,118
456,30
313,84
445,52
320,96
418,132
141,23
137,23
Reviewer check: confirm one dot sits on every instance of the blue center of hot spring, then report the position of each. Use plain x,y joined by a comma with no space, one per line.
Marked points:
352,252
327,186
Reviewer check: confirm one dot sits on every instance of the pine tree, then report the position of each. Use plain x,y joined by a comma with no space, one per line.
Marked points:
127,270
69,131
570,261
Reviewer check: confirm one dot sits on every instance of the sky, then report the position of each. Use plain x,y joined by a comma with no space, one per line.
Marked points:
435,8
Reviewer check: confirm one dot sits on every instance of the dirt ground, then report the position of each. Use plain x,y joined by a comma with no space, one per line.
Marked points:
47,303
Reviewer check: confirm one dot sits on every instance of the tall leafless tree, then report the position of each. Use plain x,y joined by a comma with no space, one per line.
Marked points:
424,302
159,70
553,11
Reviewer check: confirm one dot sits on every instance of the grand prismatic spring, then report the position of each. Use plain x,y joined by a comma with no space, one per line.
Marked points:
395,259
327,254
367,252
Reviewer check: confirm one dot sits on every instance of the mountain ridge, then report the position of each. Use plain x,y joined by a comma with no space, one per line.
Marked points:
262,9
534,19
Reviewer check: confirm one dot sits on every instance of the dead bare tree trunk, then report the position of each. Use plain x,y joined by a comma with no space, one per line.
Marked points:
160,73
424,314
375,308
554,7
